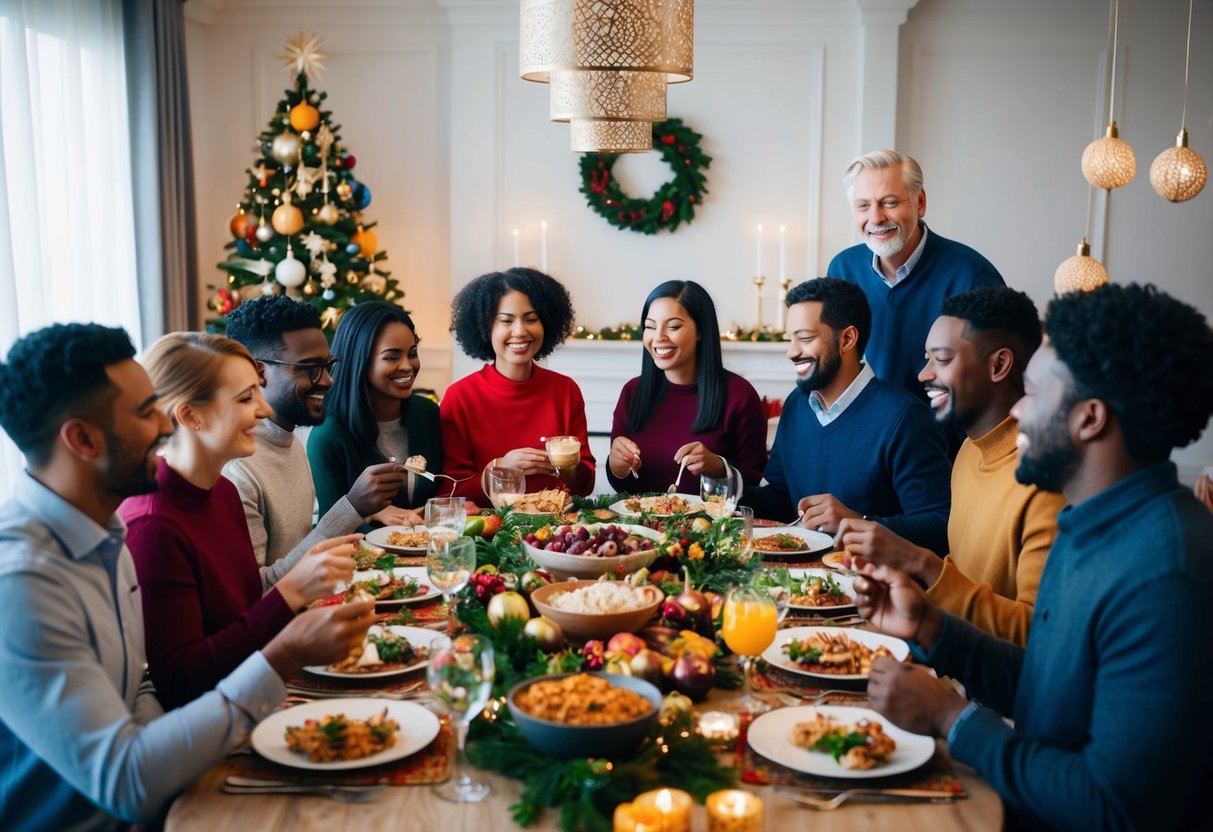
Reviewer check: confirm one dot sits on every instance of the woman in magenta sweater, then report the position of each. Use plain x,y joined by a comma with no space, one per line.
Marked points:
206,607
500,414
684,404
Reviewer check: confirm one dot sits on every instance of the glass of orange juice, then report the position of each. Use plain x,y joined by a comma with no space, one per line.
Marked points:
750,621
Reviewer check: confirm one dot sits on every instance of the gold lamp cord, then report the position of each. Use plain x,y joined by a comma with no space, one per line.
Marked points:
1115,42
1183,120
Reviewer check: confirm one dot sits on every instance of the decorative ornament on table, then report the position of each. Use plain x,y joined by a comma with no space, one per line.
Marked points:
290,272
285,148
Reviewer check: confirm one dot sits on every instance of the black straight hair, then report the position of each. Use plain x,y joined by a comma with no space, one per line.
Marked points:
349,400
709,369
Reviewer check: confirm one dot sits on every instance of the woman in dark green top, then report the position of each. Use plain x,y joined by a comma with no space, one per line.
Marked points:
372,414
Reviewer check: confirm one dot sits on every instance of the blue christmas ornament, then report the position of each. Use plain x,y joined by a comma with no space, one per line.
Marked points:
353,248
361,196
243,248
328,294
273,249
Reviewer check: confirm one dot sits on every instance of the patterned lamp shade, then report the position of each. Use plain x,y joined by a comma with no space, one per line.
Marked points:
1080,273
1179,173
645,35
611,136
1109,162
622,95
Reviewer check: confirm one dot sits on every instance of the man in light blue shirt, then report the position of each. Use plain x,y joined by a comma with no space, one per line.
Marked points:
82,742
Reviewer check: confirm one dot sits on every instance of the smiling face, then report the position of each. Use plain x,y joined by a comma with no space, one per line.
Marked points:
887,213
1048,457
813,347
956,376
294,399
517,335
228,418
136,432
393,369
671,337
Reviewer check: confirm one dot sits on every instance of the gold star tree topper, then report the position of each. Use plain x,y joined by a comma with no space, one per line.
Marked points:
303,55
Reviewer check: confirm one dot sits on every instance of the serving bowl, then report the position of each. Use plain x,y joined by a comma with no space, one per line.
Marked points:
583,626
563,741
564,565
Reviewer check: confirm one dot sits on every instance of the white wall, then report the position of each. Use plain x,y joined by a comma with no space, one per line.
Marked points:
996,98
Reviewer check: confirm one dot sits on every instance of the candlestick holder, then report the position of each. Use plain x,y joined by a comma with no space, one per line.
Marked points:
759,282
784,286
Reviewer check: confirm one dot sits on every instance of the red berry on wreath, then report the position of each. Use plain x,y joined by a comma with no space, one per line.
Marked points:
669,140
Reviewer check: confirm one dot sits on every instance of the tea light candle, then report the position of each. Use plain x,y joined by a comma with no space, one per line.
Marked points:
674,805
733,810
718,726
635,817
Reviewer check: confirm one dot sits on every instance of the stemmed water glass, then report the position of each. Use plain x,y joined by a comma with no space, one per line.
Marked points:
449,563
721,494
750,620
460,675
504,486
445,516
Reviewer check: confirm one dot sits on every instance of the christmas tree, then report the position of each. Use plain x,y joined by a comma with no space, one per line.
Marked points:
299,226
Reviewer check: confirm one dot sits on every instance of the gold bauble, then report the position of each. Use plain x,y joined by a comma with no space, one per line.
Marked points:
344,191
373,283
366,240
285,148
351,277
328,213
287,219
305,117
309,289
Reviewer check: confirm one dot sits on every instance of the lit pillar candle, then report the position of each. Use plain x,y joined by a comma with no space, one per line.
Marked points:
733,810
674,805
783,253
543,246
758,257
634,817
517,259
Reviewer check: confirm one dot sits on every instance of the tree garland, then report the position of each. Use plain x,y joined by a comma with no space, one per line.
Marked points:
672,204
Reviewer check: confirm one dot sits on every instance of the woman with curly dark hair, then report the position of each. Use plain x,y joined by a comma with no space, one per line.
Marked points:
498,415
684,404
372,414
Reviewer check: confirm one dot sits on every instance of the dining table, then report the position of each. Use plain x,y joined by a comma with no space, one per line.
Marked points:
204,807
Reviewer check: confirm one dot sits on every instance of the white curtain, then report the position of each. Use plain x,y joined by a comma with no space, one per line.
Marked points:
67,237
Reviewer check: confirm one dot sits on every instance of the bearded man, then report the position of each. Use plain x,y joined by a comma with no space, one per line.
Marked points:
904,270
849,444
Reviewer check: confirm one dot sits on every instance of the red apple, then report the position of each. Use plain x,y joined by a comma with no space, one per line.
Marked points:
625,643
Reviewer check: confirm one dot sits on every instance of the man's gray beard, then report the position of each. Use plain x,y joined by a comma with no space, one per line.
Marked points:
888,248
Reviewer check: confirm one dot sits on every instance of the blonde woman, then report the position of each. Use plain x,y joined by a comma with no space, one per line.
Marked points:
206,606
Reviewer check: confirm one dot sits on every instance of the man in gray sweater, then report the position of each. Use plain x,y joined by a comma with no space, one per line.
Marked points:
275,483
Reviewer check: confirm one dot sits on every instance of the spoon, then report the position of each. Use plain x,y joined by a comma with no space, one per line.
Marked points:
673,489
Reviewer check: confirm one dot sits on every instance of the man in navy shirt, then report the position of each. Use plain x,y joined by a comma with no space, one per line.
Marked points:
904,269
1110,697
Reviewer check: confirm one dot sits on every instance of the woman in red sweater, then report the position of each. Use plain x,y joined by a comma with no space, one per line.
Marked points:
206,607
500,414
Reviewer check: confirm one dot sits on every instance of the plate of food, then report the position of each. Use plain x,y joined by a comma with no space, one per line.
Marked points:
547,501
337,734
785,541
410,539
830,741
820,591
834,653
660,505
839,561
403,585
385,651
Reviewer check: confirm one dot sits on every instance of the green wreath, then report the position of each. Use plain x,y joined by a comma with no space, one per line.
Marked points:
672,204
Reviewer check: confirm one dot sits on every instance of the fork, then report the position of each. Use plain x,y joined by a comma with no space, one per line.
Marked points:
673,489
824,804
342,794
808,698
407,692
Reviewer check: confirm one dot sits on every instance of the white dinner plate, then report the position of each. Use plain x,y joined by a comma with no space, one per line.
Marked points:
771,736
814,542
415,572
620,507
417,637
775,656
418,727
846,582
378,537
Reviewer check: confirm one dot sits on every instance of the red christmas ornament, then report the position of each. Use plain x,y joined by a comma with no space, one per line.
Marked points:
348,161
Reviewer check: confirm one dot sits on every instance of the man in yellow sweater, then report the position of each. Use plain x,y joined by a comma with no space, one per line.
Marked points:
999,532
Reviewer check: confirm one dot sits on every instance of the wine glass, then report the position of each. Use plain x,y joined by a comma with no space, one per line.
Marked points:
460,675
721,494
750,621
449,563
445,516
564,452
505,485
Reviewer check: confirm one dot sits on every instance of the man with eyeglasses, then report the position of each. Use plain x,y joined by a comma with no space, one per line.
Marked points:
904,269
275,483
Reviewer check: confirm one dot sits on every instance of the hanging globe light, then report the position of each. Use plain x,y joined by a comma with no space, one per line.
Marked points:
622,95
1109,162
610,136
1179,173
1080,273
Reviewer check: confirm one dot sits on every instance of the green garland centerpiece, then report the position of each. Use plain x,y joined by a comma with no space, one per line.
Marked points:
672,204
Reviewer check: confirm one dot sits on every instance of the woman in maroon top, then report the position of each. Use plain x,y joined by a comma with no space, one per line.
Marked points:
205,604
684,403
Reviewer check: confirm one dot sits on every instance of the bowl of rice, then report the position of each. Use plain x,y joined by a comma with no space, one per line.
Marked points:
597,609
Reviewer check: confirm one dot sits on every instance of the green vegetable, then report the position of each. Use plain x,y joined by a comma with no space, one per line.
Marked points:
836,743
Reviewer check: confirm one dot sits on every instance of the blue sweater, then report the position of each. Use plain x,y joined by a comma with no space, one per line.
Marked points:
883,457
1111,696
902,316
